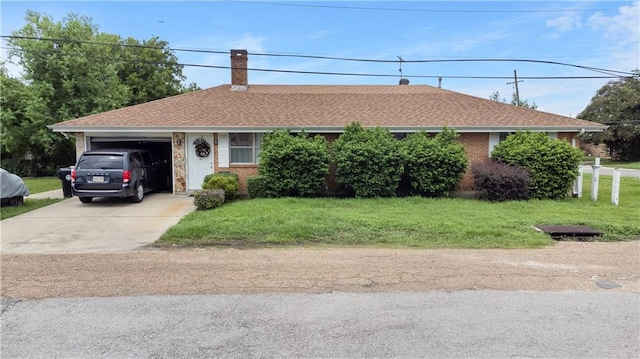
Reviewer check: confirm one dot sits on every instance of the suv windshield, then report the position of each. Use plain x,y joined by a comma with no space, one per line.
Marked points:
100,161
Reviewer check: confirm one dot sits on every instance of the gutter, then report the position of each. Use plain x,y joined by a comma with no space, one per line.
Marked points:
312,129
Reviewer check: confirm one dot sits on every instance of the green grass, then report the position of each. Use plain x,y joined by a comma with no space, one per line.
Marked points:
35,185
407,222
29,205
605,162
42,184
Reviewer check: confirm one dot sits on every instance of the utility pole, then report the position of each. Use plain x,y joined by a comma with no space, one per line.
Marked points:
515,81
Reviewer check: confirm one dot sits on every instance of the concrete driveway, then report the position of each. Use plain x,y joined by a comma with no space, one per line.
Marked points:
105,225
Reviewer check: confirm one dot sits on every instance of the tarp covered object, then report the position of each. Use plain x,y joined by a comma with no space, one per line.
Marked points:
11,185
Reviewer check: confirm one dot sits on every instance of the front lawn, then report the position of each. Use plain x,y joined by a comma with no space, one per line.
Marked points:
407,222
42,184
35,185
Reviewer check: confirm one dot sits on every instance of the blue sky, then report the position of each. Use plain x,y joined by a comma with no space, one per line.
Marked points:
603,34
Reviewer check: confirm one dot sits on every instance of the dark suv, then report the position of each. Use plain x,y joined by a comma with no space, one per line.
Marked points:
124,173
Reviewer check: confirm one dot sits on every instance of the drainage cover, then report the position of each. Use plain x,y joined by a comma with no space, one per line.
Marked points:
576,232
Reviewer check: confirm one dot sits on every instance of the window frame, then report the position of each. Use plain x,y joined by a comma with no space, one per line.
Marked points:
256,144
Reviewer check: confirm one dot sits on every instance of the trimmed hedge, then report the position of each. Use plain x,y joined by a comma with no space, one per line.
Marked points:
435,165
552,164
369,161
496,181
208,198
294,165
258,187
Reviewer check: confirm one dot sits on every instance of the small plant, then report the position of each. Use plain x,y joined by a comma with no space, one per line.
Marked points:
208,177
258,187
497,182
226,182
208,198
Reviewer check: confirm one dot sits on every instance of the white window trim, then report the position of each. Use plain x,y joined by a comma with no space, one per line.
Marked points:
494,139
223,150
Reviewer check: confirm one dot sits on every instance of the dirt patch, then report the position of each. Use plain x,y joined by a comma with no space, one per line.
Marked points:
565,266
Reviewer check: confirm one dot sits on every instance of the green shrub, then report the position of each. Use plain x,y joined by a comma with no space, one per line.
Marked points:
368,161
258,187
208,198
497,181
225,182
208,177
552,164
294,165
435,166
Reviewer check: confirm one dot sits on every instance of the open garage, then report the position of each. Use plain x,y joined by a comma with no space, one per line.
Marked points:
160,145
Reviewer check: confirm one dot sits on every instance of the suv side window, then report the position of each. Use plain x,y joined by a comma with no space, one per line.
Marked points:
135,162
146,159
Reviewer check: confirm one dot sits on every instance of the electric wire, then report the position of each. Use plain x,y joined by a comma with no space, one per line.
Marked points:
610,73
344,7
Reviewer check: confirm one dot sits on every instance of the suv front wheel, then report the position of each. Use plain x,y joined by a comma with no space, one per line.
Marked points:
139,195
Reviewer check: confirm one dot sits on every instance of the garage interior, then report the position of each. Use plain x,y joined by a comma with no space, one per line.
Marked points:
162,146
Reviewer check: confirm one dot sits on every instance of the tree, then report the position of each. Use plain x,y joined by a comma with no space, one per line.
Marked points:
617,104
149,69
514,101
70,69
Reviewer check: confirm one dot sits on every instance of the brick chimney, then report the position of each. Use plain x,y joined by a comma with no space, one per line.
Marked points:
239,70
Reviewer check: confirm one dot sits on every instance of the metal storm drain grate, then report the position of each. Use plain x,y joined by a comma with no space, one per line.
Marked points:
570,232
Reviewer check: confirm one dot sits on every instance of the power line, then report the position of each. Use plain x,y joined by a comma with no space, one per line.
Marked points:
615,73
333,73
455,11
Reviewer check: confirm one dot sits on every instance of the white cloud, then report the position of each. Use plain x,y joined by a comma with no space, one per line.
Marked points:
565,23
248,42
623,33
624,26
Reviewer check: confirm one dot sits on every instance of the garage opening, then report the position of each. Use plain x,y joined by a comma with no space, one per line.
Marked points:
160,145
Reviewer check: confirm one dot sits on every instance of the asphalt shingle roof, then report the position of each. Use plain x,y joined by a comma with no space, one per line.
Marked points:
323,106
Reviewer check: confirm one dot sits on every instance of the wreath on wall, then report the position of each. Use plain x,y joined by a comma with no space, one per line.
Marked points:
203,149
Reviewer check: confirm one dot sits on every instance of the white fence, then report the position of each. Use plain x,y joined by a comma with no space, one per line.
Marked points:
595,181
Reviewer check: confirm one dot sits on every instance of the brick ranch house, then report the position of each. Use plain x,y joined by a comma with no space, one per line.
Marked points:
233,119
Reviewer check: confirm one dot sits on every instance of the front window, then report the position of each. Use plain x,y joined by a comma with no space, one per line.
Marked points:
244,147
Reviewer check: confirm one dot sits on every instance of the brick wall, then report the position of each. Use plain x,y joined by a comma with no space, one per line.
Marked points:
477,147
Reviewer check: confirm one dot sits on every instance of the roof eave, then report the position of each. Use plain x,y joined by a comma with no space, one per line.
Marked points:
316,129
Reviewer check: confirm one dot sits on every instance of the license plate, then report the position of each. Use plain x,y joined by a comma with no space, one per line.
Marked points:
98,179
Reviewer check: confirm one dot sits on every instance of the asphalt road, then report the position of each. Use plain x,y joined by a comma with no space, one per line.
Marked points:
571,300
471,324
609,171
